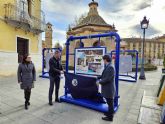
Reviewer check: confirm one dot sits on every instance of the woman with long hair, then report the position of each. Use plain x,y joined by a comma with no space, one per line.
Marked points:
26,76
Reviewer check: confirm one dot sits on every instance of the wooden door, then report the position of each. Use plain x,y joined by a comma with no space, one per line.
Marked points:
22,48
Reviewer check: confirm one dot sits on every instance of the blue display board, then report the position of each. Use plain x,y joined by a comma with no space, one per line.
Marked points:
125,65
47,53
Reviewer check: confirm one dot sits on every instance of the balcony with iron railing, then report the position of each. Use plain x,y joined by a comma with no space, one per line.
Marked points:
19,18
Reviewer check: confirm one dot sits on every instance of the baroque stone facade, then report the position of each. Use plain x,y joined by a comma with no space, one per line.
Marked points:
93,23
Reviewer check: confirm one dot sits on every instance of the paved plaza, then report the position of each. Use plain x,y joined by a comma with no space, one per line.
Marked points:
130,111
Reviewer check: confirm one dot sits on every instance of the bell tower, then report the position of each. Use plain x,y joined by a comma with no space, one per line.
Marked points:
93,8
48,35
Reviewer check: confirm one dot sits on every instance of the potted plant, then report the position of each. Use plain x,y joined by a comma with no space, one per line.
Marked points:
163,69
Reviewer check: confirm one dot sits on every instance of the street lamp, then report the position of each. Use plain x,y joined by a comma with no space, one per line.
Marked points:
144,25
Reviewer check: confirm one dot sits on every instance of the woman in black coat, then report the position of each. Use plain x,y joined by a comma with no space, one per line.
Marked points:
26,77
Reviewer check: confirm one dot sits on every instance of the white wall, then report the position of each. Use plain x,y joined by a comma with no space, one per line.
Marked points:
9,63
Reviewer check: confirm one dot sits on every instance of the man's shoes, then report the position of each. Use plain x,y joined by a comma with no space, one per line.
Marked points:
57,100
26,106
28,103
107,119
50,103
106,114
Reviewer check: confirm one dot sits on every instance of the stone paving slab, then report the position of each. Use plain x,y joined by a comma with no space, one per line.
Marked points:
149,116
150,102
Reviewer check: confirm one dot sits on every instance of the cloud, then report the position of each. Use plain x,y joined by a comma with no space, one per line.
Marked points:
61,13
58,31
150,32
64,9
141,6
115,5
125,14
118,5
59,36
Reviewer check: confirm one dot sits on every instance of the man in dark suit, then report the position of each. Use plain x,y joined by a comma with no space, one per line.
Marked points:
55,71
106,80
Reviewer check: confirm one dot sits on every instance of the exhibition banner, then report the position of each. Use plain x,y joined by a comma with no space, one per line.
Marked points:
125,64
47,58
89,60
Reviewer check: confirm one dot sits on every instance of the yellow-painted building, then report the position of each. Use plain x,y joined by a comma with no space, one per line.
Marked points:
153,48
21,25
161,38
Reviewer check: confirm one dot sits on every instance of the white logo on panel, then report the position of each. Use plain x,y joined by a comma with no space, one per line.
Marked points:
74,82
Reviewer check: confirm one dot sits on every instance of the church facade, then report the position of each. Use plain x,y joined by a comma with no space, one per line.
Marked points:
22,23
93,23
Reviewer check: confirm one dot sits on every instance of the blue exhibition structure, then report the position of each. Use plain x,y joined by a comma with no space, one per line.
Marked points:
67,97
129,77
45,73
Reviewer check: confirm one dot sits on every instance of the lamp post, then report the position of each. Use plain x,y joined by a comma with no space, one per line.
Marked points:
144,25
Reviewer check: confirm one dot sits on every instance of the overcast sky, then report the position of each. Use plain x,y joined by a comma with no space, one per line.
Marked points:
125,14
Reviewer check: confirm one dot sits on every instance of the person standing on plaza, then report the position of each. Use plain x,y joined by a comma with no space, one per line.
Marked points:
55,71
106,80
26,76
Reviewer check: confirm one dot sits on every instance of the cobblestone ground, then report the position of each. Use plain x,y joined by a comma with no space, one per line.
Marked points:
12,104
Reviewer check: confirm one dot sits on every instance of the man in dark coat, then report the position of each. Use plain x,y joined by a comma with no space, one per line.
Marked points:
108,87
55,71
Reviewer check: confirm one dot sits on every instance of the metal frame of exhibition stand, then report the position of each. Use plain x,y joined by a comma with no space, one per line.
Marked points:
102,107
45,74
127,77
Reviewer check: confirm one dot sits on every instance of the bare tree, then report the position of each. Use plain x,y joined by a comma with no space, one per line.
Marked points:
77,20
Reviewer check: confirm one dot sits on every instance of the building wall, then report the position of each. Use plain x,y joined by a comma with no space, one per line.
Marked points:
162,39
147,50
9,62
2,3
8,38
93,29
154,49
8,41
48,35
